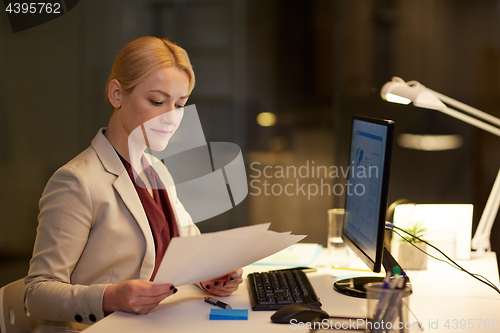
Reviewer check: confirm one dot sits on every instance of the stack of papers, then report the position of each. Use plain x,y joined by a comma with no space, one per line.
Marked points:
211,255
297,255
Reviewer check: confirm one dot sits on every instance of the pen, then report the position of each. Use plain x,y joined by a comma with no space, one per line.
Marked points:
218,303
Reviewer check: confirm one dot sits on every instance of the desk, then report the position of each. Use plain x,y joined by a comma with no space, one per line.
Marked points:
448,295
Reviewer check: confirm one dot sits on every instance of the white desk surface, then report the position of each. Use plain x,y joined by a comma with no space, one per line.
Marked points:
440,294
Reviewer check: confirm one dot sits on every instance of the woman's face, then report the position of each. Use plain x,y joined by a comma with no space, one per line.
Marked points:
152,112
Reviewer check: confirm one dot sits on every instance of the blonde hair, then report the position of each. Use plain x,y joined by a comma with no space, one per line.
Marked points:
145,55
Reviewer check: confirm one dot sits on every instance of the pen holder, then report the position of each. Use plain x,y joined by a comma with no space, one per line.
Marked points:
387,309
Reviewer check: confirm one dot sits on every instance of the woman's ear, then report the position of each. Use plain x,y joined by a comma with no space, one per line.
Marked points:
114,93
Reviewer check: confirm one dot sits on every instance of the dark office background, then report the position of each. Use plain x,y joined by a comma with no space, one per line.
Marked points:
312,63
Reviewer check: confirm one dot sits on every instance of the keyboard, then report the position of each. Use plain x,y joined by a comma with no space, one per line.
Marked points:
274,289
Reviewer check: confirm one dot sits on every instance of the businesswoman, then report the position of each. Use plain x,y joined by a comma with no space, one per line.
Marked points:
107,217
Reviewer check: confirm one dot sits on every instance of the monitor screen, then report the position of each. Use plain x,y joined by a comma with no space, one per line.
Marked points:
367,188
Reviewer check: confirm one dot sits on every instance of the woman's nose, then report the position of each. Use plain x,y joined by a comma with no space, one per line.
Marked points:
170,117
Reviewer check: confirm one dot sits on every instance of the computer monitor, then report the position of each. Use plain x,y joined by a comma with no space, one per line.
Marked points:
366,200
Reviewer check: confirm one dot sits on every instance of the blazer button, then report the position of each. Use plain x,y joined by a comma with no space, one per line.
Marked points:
78,318
92,318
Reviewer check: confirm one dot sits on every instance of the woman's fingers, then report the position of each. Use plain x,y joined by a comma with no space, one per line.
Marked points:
224,285
136,296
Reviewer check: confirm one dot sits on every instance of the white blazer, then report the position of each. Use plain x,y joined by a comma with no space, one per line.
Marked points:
92,231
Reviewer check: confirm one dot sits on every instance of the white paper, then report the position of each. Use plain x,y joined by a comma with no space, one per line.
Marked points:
207,256
301,254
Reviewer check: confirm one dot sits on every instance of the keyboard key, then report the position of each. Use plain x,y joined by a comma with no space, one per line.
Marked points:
275,289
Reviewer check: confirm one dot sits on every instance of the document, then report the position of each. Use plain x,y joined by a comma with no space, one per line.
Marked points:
211,255
301,254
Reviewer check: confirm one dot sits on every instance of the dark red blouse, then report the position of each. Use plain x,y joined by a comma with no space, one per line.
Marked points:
157,207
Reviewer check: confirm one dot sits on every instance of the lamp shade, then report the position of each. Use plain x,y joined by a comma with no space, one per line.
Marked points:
399,91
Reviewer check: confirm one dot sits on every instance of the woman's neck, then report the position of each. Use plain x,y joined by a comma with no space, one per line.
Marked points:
119,139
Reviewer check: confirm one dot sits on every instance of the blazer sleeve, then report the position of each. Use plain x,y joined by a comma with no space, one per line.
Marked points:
64,224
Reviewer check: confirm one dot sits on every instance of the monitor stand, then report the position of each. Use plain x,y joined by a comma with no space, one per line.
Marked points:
355,286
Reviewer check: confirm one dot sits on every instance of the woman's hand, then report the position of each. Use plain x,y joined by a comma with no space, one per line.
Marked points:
136,296
224,285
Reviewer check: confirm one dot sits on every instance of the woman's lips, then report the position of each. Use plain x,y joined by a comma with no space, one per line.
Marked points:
161,132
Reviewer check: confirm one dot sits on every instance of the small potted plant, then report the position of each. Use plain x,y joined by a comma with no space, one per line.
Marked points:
410,257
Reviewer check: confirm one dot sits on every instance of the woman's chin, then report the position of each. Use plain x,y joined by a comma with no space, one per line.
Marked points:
158,145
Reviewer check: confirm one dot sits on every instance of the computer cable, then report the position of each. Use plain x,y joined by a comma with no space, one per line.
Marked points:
451,262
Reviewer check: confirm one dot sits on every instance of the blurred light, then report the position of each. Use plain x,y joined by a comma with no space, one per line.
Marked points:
430,142
277,144
397,99
266,119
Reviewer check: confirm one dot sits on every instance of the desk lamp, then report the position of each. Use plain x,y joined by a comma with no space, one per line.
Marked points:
399,91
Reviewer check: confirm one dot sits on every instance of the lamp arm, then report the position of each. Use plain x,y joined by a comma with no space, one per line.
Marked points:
481,239
472,121
469,109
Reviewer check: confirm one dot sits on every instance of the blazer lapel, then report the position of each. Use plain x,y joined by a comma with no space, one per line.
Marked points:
126,190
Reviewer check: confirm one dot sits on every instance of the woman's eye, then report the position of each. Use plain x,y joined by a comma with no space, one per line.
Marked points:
179,106
156,103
